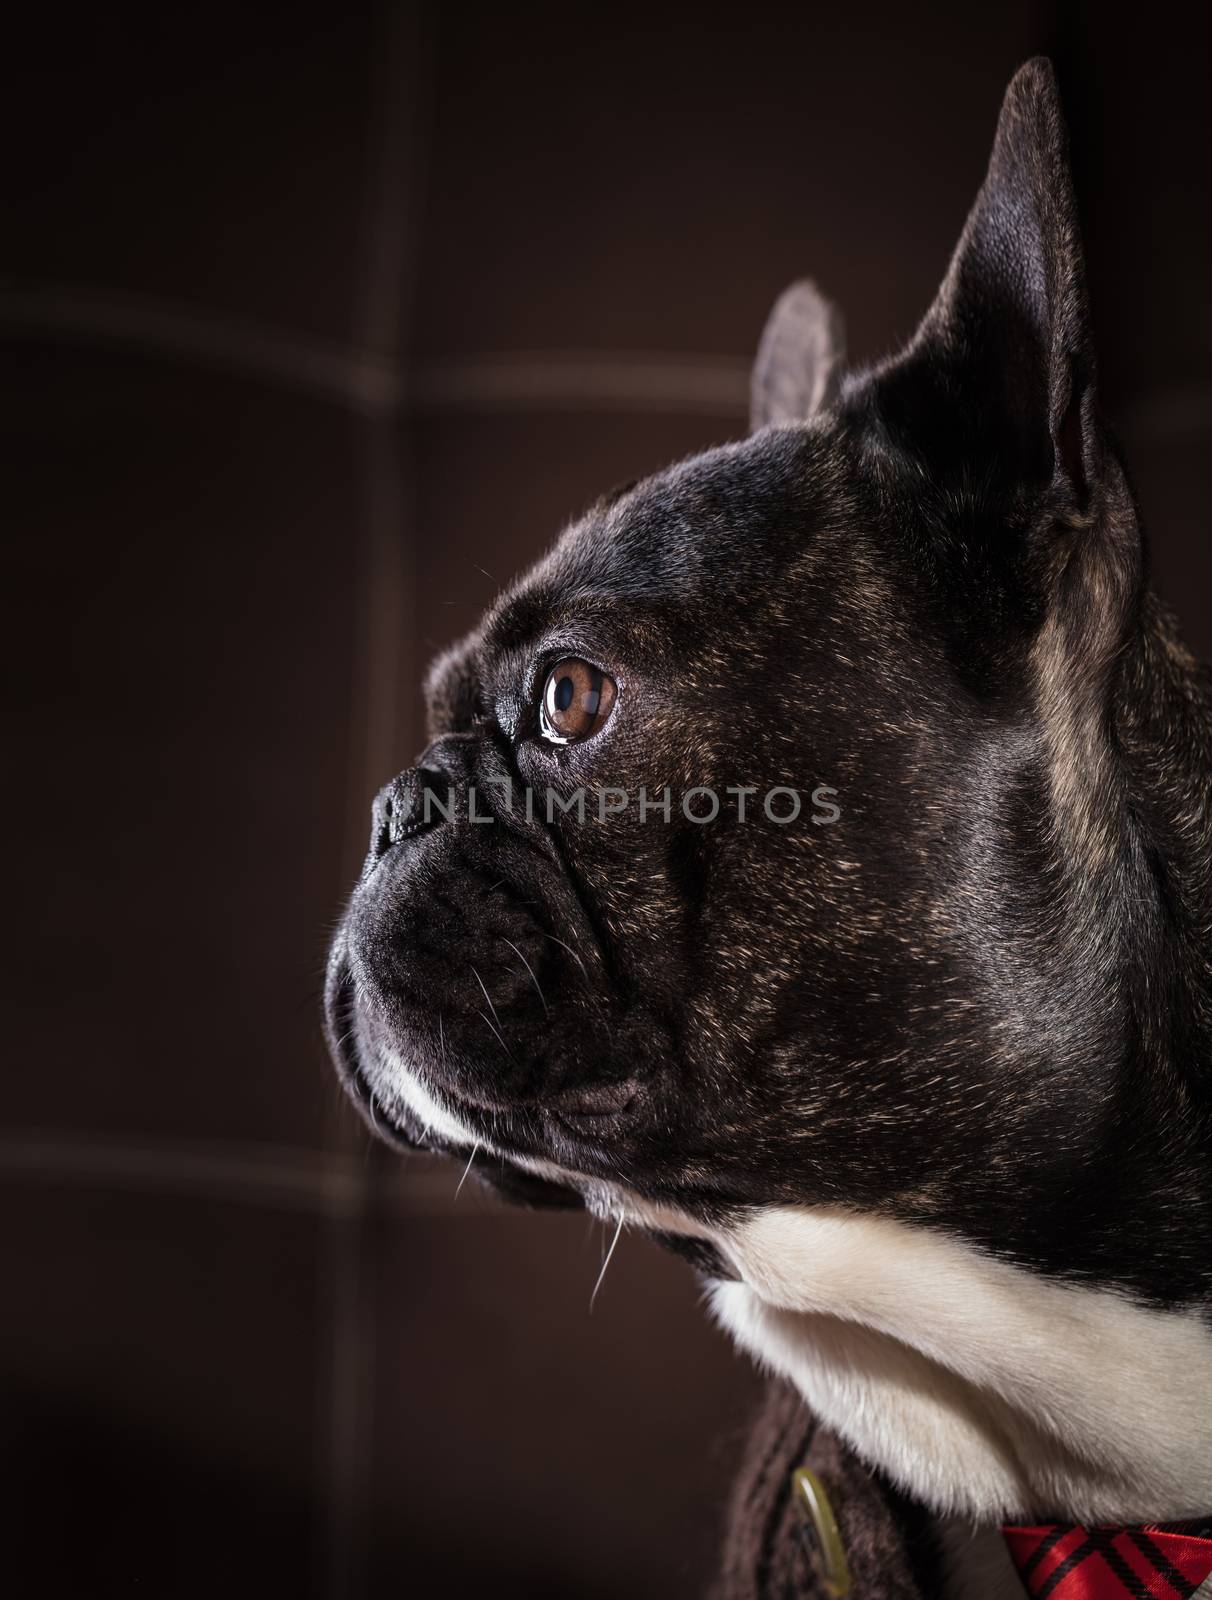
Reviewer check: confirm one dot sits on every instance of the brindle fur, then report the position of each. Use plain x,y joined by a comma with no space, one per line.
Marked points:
981,999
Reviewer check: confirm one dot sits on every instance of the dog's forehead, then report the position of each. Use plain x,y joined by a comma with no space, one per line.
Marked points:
690,531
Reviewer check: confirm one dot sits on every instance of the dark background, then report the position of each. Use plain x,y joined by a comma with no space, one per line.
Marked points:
316,328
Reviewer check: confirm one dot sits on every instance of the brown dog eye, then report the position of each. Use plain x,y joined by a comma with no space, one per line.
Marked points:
577,699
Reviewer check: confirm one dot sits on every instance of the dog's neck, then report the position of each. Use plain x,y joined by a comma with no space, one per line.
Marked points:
1163,730
1109,1014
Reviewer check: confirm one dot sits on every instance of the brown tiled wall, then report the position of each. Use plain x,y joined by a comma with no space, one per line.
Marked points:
317,327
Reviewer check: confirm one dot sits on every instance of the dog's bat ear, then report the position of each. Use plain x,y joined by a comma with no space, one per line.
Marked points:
999,378
799,361
989,423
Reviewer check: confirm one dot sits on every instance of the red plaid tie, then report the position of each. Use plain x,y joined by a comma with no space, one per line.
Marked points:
1147,1563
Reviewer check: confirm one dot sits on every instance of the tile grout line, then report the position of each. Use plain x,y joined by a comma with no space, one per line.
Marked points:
362,378
372,383
648,381
273,1176
203,339
345,1388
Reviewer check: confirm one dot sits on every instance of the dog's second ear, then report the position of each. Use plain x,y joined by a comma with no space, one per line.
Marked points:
799,361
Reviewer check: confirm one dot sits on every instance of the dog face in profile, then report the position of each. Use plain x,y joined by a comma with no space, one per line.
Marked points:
811,863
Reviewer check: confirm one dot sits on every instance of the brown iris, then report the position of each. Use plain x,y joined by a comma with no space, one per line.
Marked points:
577,699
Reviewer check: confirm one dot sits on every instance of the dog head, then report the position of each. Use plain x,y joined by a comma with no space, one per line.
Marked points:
774,843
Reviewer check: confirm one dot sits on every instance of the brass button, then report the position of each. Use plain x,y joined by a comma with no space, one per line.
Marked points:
825,1540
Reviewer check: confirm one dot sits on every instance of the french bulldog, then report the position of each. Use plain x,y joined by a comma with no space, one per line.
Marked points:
921,1074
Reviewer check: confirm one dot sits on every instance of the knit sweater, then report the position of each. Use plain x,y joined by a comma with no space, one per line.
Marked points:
891,1544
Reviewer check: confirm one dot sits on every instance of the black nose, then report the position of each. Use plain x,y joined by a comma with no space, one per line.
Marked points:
418,799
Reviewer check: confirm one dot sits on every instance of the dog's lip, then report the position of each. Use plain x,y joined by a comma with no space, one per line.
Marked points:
342,1044
580,1103
339,1020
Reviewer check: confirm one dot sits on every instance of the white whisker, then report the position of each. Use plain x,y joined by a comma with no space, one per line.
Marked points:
495,1033
569,949
529,969
606,1263
487,997
475,1150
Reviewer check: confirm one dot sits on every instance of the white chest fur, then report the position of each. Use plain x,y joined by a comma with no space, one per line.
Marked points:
982,1388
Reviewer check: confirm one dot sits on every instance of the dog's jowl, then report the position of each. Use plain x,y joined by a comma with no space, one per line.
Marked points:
812,864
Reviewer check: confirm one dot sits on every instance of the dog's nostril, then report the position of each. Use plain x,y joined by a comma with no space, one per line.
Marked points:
417,799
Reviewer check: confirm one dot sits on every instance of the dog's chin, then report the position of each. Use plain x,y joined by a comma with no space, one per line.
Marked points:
400,1109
